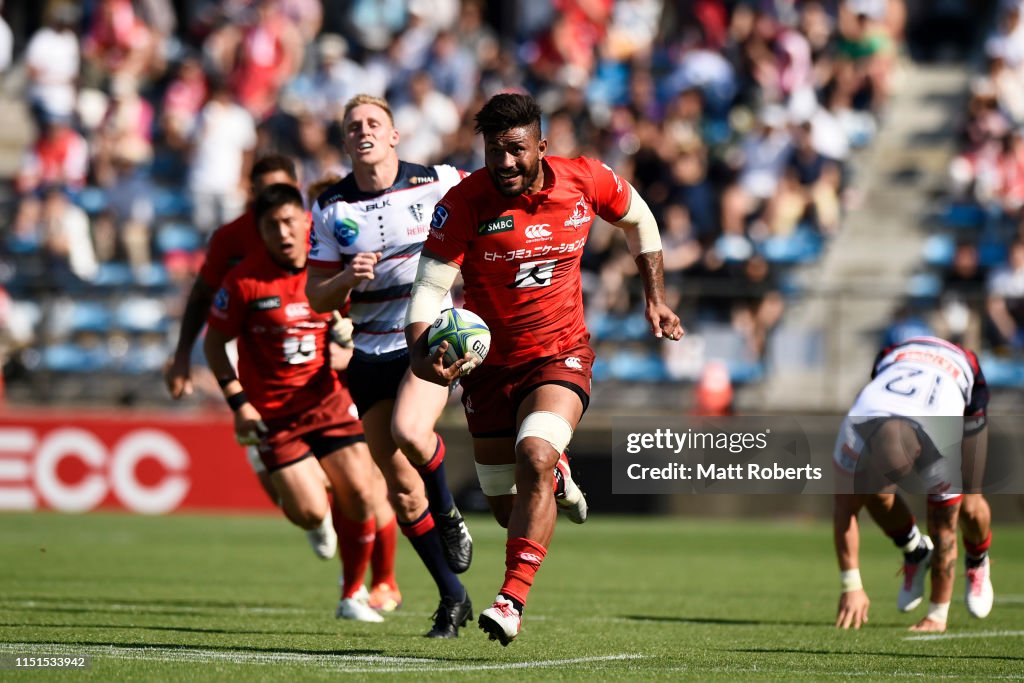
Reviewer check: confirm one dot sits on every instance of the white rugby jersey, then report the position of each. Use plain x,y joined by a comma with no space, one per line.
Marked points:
924,376
395,221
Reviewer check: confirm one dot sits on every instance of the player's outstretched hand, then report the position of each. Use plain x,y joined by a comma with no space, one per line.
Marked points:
249,426
927,625
431,367
664,323
361,266
178,376
853,609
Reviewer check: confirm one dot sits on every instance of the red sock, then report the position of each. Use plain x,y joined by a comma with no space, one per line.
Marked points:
382,561
522,560
355,544
978,549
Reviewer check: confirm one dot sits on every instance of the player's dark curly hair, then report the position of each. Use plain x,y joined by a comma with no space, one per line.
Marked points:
271,163
275,196
505,111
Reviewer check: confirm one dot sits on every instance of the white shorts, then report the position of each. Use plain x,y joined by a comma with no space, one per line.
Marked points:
936,470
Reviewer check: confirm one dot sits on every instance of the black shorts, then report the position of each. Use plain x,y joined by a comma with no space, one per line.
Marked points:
375,378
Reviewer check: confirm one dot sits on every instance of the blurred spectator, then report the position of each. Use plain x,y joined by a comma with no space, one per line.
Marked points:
808,192
961,303
6,45
692,189
130,212
424,122
336,79
680,248
475,35
1006,302
223,147
1006,82
713,394
52,61
50,225
268,54
126,130
59,157
375,22
183,100
453,69
865,49
764,153
756,312
118,43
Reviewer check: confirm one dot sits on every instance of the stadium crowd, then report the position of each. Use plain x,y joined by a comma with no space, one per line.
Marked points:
736,120
972,290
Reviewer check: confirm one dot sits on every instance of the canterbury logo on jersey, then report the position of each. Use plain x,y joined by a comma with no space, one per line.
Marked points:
534,274
573,363
496,225
537,232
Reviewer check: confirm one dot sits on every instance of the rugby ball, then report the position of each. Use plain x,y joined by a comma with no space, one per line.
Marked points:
465,332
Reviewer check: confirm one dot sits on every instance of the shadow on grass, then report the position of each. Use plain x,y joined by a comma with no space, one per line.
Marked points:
181,629
352,652
169,602
719,621
859,653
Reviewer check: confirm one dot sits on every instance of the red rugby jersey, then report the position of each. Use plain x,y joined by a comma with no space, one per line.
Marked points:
229,244
282,343
520,256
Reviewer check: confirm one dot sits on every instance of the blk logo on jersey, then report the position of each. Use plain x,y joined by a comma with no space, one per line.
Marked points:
580,215
538,232
346,231
496,225
534,274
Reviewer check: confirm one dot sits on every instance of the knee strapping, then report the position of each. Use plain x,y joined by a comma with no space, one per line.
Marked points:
497,480
550,427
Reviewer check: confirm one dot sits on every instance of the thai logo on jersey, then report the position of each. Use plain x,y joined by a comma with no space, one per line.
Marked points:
580,215
417,212
534,274
537,232
496,225
439,218
346,231
220,299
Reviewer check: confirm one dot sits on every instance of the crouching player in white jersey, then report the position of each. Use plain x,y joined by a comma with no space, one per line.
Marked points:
921,420
368,231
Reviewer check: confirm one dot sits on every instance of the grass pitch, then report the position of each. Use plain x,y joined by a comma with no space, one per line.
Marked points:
243,598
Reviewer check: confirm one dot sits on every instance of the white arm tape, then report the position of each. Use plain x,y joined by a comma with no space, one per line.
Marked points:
641,228
433,280
549,426
497,480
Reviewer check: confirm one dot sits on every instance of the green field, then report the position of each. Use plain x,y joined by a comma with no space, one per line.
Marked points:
242,598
